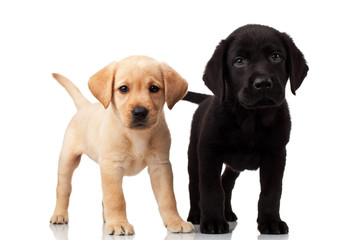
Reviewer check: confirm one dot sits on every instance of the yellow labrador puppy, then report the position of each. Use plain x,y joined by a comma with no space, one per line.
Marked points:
123,133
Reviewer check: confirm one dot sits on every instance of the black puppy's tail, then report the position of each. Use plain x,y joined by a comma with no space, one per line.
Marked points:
195,97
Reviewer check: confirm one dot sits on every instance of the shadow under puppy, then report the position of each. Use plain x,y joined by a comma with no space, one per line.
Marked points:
246,125
123,133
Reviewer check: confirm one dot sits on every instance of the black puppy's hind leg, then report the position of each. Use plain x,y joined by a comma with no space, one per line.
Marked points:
228,181
193,170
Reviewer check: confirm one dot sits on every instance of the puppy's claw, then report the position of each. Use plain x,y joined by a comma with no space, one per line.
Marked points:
59,219
276,227
214,227
180,227
119,229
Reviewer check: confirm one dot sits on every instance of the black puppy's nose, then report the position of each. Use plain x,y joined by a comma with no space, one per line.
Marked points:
262,83
139,113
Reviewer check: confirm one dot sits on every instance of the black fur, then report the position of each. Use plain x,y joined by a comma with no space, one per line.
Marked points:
195,97
245,126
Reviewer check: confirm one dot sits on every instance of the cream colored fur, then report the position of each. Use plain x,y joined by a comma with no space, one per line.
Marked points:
105,133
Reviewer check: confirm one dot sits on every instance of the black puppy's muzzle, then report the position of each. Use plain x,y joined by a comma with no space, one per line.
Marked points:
263,91
139,117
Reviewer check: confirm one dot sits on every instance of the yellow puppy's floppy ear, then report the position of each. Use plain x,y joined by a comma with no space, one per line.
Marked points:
101,84
175,85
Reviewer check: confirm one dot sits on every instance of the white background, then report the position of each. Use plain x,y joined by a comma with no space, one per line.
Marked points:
77,38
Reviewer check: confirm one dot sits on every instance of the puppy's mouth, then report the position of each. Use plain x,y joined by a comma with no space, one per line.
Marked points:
142,124
263,102
139,125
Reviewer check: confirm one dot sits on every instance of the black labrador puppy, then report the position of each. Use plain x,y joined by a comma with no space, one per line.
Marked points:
246,125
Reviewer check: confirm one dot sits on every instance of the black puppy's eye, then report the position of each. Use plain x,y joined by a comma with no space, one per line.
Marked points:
124,89
239,61
154,89
276,57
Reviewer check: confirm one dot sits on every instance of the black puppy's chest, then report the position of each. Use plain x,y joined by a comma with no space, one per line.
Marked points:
250,138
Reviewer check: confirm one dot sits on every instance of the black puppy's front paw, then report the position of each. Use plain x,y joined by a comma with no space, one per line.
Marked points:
273,227
214,226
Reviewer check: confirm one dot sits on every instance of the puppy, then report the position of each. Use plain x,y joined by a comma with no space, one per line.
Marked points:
246,125
123,133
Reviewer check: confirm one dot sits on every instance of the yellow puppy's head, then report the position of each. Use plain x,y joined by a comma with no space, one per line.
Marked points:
136,88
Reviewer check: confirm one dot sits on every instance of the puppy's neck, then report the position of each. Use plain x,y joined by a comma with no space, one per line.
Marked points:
264,116
137,134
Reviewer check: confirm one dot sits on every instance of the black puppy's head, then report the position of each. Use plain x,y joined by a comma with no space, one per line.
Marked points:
253,65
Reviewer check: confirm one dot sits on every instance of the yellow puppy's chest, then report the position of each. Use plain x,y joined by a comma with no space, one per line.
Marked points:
135,158
139,146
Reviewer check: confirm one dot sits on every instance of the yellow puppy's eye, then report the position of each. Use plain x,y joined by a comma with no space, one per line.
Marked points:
124,89
154,89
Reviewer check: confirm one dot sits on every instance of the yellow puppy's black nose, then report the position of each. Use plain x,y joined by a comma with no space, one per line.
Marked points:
139,113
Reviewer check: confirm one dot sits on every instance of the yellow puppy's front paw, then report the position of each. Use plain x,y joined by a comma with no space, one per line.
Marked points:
60,219
180,227
119,228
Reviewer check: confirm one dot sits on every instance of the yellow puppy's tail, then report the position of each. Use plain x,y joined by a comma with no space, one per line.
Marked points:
73,91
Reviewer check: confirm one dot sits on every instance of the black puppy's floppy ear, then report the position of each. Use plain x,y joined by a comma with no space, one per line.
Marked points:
214,71
296,63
